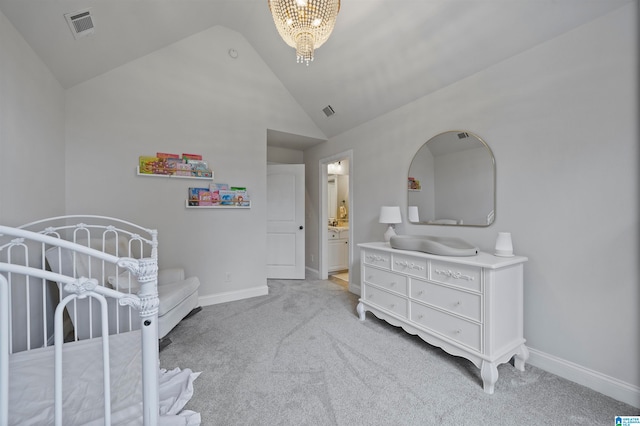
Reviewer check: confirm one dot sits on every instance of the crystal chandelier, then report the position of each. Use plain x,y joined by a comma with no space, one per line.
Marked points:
304,24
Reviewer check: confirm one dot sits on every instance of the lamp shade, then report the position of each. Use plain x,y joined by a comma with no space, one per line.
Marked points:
413,214
390,214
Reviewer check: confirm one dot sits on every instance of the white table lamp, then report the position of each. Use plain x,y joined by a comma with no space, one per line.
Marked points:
390,215
414,217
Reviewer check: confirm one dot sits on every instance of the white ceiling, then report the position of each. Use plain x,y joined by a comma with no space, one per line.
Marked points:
381,55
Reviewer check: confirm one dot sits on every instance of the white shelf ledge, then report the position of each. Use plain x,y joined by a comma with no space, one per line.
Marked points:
186,204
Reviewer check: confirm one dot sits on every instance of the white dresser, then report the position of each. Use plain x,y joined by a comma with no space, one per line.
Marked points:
468,306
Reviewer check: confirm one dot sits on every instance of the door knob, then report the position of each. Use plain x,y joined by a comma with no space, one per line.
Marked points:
301,227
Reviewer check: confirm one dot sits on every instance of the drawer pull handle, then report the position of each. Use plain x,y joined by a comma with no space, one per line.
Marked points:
458,303
393,283
458,331
420,316
420,293
393,305
375,258
411,265
455,275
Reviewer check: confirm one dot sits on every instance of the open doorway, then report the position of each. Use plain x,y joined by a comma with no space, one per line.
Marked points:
336,219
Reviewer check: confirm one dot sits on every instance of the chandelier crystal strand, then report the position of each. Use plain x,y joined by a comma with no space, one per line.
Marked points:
304,24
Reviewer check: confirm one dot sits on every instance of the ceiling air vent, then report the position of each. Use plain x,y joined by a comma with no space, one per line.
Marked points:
80,22
328,111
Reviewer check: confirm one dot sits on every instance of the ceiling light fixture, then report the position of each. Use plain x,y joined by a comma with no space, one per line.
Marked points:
304,24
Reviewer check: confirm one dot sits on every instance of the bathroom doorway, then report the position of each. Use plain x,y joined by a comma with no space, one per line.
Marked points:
336,223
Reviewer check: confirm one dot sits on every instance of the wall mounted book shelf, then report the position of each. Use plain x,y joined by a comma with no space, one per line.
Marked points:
174,176
218,206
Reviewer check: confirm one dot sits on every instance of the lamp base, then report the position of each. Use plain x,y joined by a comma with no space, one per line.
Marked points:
390,232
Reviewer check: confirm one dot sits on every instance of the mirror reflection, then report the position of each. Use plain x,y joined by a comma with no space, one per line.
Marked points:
451,181
338,194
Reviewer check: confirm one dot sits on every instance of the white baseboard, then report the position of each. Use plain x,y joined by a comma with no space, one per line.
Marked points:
232,296
311,274
355,288
606,385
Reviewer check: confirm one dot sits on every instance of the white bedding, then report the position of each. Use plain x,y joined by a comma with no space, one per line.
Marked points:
31,386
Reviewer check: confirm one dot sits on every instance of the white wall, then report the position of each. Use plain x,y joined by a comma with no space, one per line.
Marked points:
561,120
278,155
32,167
188,97
31,133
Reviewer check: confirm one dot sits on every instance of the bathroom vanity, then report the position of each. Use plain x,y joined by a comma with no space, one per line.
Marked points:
469,306
338,248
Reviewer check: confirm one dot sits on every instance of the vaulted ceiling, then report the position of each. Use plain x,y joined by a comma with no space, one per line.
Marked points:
382,54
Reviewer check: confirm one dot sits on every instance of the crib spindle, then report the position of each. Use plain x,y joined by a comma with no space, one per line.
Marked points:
4,350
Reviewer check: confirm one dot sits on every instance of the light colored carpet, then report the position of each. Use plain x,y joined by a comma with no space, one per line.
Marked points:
300,356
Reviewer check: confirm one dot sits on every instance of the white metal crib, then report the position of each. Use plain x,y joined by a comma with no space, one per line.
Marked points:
33,301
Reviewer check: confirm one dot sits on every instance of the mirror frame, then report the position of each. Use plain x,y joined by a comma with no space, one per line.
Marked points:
494,187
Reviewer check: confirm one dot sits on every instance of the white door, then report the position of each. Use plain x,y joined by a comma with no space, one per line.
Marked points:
285,221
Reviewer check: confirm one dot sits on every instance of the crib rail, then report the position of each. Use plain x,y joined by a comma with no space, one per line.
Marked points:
114,236
105,225
82,287
21,275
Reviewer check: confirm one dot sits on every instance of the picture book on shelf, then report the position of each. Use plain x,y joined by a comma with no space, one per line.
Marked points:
200,197
218,186
242,199
192,156
227,197
164,163
167,155
215,189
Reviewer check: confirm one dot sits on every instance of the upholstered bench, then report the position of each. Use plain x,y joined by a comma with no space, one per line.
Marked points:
178,295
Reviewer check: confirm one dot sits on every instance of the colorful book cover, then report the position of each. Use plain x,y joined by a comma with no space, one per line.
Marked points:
215,189
218,187
167,155
162,167
192,156
202,173
242,199
215,198
227,197
183,169
194,195
200,168
147,164
204,198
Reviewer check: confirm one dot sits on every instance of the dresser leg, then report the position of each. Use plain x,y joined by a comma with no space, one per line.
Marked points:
361,311
489,373
521,357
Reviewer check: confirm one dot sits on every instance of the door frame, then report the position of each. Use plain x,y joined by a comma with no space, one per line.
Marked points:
323,230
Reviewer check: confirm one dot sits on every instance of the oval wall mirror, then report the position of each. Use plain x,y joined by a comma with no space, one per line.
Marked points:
452,181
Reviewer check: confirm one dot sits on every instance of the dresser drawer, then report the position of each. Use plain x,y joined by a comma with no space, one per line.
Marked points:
460,302
390,302
388,280
377,258
409,265
454,328
459,275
